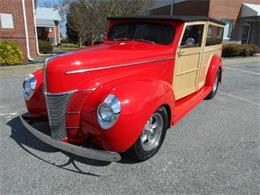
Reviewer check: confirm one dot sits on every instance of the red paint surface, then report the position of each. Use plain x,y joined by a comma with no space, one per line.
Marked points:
141,88
36,104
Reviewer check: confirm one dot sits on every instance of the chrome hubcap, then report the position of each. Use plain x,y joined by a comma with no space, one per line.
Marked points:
152,132
215,84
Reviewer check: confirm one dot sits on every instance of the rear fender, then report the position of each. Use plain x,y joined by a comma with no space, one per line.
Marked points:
215,64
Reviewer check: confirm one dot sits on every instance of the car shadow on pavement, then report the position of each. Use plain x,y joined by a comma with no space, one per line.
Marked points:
25,139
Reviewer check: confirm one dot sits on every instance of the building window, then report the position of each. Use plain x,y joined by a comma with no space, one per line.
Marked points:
214,36
228,29
246,31
6,21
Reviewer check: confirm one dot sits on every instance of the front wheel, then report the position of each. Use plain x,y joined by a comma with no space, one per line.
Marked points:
152,136
215,86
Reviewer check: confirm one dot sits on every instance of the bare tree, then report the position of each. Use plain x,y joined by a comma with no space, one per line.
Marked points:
64,8
88,18
47,4
76,19
99,10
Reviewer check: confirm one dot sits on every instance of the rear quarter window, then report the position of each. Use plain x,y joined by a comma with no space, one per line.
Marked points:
214,35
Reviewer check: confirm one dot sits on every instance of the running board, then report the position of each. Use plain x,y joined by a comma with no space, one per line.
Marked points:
186,104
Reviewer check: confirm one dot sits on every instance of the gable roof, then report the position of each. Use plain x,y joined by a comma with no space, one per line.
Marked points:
47,13
249,10
174,17
46,16
163,3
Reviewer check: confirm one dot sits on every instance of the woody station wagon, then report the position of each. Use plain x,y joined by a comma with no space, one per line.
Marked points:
121,96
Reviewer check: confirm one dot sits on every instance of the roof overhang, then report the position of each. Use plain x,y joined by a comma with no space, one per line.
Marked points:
44,23
250,10
163,3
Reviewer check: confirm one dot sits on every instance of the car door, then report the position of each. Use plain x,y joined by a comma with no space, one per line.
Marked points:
188,59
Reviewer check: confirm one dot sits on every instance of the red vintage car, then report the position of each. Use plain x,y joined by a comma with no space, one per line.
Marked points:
123,95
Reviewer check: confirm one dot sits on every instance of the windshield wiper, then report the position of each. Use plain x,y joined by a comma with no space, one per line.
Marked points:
147,41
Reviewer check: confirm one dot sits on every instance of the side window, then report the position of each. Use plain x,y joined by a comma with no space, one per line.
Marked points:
192,36
214,35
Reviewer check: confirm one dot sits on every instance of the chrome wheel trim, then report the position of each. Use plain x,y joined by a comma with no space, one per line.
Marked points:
151,134
215,86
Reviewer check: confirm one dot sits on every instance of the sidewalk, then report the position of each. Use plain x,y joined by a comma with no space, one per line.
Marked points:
241,60
19,70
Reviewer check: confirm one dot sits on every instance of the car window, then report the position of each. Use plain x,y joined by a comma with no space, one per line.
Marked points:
156,33
192,36
214,35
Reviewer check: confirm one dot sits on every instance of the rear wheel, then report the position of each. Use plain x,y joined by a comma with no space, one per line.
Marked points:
215,86
152,136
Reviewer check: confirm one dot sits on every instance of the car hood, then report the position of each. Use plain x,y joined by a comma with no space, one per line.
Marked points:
108,54
67,68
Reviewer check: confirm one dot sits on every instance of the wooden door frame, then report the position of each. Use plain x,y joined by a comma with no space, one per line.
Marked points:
201,48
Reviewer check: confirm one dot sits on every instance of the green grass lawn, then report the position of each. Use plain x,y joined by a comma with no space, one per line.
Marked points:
68,48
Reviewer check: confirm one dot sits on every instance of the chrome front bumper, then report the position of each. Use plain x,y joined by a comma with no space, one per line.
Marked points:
70,148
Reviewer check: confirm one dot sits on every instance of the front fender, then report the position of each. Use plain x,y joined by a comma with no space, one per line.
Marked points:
139,100
36,104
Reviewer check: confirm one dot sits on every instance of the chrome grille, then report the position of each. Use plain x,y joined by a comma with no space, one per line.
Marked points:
57,106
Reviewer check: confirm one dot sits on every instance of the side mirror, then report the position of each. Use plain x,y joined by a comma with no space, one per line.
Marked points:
190,42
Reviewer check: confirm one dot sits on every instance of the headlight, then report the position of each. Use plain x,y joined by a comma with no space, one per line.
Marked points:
108,112
29,86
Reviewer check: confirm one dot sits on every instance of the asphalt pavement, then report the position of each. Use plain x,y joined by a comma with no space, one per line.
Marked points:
215,149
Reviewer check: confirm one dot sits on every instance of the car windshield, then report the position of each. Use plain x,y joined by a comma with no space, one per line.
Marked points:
150,33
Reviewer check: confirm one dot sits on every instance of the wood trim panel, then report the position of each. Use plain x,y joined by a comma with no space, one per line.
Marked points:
191,64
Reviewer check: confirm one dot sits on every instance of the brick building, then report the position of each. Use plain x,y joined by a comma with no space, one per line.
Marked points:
18,24
242,17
